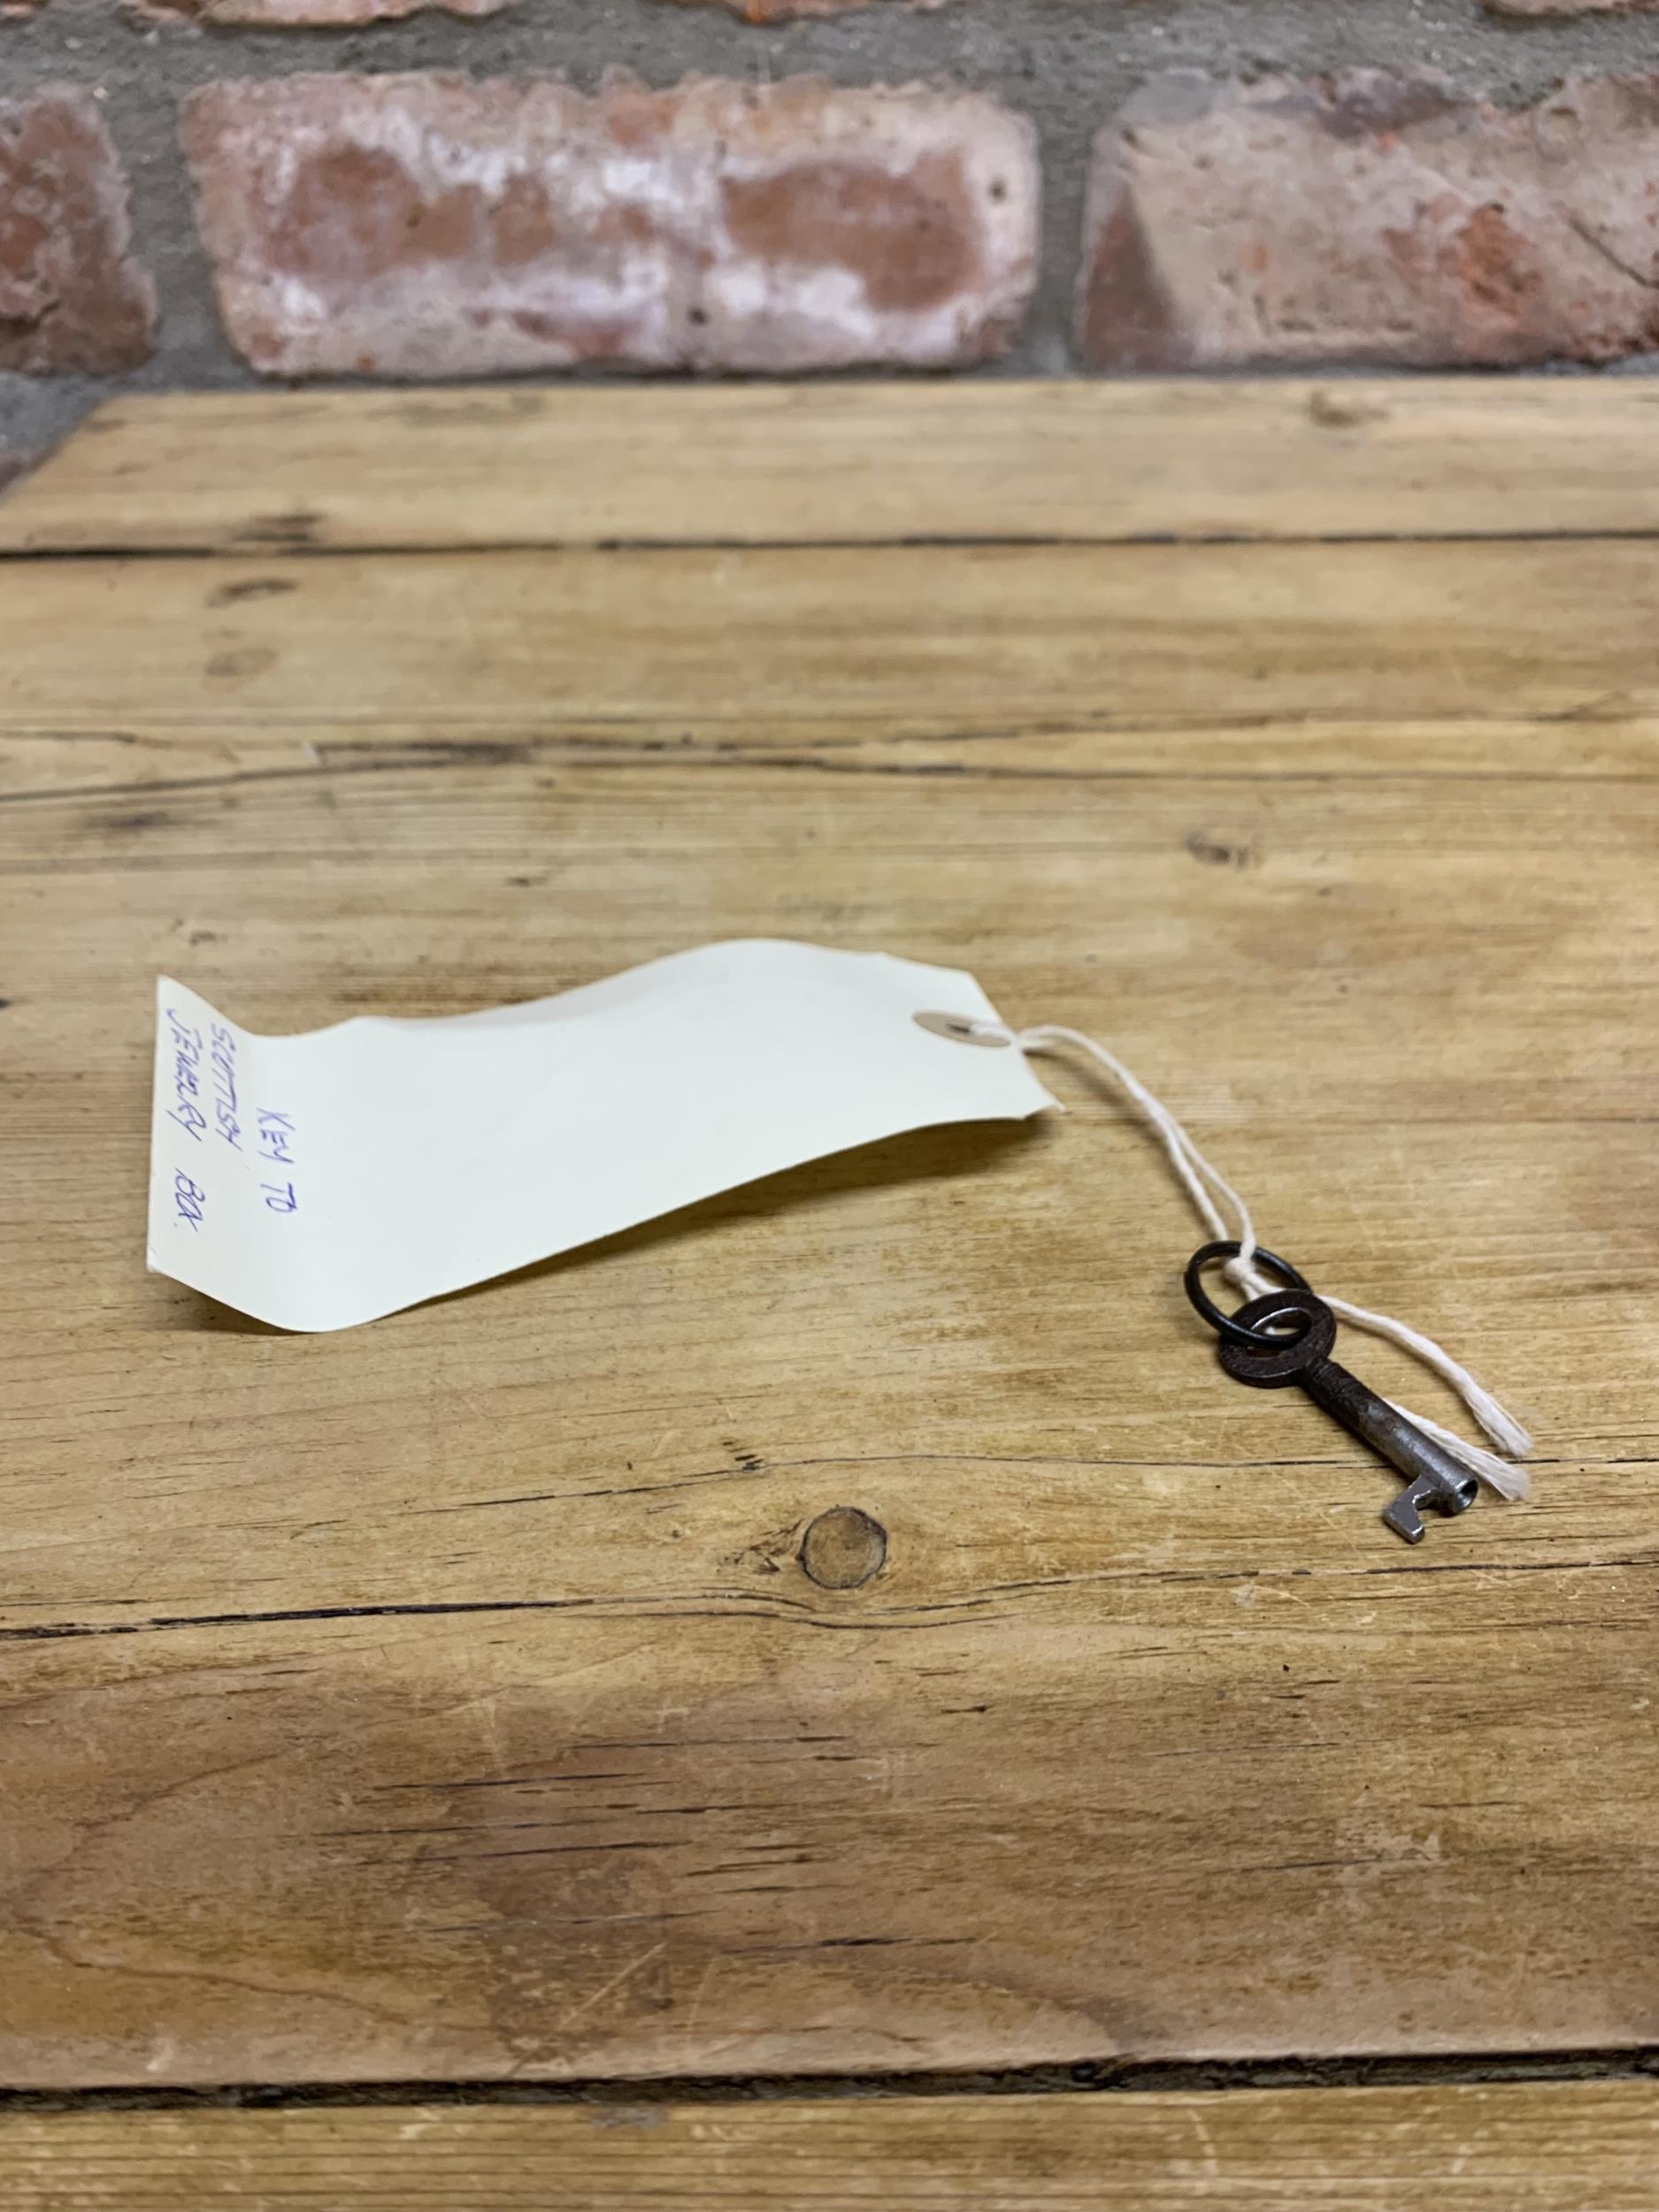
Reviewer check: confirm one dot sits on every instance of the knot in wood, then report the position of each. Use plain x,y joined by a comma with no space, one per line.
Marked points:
843,1548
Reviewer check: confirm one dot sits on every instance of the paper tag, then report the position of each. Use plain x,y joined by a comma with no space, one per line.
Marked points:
320,1180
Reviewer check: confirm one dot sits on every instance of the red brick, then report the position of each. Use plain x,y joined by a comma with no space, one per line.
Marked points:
1370,218
786,11
427,225
71,296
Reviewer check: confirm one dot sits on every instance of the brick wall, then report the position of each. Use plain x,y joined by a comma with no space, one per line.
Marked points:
212,191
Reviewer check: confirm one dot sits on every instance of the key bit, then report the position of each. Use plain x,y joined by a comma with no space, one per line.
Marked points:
1286,1337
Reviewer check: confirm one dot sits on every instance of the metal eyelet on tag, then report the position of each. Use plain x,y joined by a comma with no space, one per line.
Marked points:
961,1029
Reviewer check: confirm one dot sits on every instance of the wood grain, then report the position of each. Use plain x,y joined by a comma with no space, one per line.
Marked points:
448,1699
1541,2147
1144,1735
749,463
1010,639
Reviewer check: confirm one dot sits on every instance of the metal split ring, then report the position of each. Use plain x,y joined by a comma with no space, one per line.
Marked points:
1257,1340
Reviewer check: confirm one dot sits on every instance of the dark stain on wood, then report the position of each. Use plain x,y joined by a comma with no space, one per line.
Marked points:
250,587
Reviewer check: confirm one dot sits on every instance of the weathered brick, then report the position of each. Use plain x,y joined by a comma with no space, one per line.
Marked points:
1371,219
276,15
428,225
71,296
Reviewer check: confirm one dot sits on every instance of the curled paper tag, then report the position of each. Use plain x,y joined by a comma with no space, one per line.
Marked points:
320,1180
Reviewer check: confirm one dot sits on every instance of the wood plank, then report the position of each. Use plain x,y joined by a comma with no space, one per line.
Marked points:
1536,2147
446,1700
1178,914
872,463
1090,1807
971,638
1451,762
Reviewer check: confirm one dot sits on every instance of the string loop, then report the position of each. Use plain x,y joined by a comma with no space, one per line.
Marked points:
1227,1218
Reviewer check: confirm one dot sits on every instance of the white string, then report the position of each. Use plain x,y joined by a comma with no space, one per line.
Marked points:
1211,1193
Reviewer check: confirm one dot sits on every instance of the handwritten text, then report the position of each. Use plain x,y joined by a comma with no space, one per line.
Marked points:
189,1199
276,1142
223,1056
187,1076
276,1136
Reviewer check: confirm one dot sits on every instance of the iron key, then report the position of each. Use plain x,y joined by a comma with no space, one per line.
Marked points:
1254,1349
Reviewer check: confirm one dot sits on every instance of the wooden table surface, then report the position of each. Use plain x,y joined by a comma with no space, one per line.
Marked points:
445,1703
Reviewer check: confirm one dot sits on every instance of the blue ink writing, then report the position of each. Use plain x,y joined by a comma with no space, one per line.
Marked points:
224,1060
276,1142
187,1076
189,1199
276,1136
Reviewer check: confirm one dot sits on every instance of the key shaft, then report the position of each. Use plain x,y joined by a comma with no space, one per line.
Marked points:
1300,1354
1433,1477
